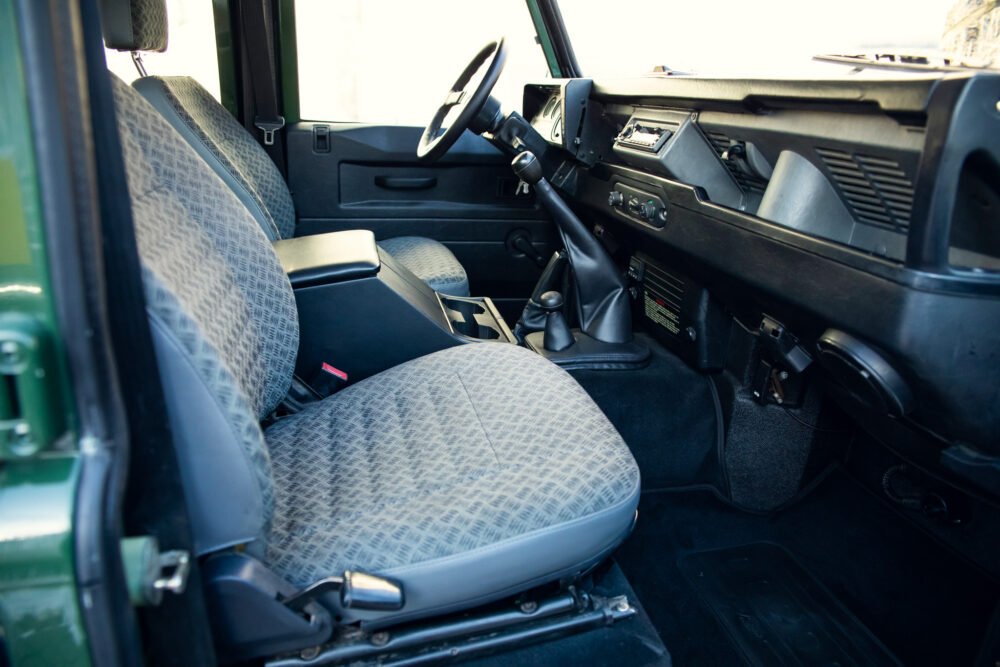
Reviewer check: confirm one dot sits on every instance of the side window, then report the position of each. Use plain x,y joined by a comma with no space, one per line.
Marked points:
391,62
190,50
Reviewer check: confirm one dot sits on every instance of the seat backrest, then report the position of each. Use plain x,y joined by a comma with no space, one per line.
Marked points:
227,147
223,320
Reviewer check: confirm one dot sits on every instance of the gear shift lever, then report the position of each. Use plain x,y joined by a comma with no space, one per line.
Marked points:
557,334
603,303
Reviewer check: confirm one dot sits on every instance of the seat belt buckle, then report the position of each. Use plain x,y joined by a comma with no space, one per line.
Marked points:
269,127
327,380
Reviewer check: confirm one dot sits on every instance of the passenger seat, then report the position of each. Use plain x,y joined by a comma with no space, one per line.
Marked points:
231,151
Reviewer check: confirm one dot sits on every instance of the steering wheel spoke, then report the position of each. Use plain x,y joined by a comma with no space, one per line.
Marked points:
461,103
454,98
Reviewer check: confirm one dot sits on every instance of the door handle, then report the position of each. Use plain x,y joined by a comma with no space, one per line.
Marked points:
406,183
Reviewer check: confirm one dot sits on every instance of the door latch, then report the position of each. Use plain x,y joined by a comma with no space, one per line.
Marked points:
32,414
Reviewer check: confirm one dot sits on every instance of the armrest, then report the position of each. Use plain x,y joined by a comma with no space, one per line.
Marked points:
329,258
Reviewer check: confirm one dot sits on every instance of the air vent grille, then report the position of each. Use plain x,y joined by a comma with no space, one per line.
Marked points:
747,182
665,285
877,190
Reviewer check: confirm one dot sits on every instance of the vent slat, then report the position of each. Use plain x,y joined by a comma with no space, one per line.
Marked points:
865,197
903,190
748,183
895,198
856,179
884,223
876,189
882,162
875,209
886,172
889,181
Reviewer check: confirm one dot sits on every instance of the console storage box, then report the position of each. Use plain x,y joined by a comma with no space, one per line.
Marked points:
363,312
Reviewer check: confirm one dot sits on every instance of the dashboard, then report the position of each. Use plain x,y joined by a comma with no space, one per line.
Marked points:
863,217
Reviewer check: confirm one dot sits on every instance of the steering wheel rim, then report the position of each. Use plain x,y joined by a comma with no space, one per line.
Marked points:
434,142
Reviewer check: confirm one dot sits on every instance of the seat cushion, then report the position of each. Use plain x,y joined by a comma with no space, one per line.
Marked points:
468,474
430,261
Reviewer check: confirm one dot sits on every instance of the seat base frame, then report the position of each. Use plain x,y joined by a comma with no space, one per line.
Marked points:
512,624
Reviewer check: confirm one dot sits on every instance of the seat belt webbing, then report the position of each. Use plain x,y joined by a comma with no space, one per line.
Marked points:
263,81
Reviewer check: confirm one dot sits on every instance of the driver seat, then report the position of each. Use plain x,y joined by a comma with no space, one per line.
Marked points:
468,475
232,152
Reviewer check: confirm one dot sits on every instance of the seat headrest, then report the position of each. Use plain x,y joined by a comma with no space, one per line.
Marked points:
134,25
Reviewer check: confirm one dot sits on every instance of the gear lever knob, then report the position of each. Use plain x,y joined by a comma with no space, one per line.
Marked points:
527,167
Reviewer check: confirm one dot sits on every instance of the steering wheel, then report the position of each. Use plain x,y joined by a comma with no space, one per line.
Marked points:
436,139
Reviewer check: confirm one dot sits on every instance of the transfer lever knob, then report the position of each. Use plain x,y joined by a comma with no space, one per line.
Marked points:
557,334
550,301
527,167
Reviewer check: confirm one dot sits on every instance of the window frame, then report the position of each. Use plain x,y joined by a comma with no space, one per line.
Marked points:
288,55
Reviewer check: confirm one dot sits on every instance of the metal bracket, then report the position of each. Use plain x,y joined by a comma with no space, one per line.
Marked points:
269,127
174,567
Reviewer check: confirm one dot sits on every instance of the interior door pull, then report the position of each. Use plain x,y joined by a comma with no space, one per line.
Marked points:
405,183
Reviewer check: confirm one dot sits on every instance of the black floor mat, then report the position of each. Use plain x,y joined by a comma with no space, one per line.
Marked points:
927,605
775,612
666,414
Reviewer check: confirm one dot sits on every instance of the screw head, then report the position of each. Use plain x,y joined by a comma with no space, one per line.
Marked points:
10,353
20,440
380,638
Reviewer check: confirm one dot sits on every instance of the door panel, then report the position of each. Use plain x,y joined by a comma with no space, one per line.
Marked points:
349,176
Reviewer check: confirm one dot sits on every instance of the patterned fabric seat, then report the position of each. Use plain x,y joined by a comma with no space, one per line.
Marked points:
245,167
470,474
473,451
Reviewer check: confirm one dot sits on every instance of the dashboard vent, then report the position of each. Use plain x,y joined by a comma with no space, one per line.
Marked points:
747,182
876,189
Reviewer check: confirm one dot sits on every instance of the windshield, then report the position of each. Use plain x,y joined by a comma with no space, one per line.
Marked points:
771,38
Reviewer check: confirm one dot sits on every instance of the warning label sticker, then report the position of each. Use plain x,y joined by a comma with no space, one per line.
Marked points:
658,311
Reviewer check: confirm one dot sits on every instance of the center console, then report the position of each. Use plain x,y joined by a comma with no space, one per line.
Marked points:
362,312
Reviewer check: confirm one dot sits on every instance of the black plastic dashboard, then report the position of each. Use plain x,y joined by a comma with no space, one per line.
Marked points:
862,206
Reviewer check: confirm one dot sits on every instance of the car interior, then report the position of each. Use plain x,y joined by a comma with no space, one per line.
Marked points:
647,371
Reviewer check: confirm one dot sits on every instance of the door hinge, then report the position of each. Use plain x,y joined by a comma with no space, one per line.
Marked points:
32,413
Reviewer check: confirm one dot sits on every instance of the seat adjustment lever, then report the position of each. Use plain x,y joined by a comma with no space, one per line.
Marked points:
358,590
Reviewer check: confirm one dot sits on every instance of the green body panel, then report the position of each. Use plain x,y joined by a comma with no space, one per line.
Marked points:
39,610
40,621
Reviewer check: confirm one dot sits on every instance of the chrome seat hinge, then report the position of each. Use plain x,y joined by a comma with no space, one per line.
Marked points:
149,572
